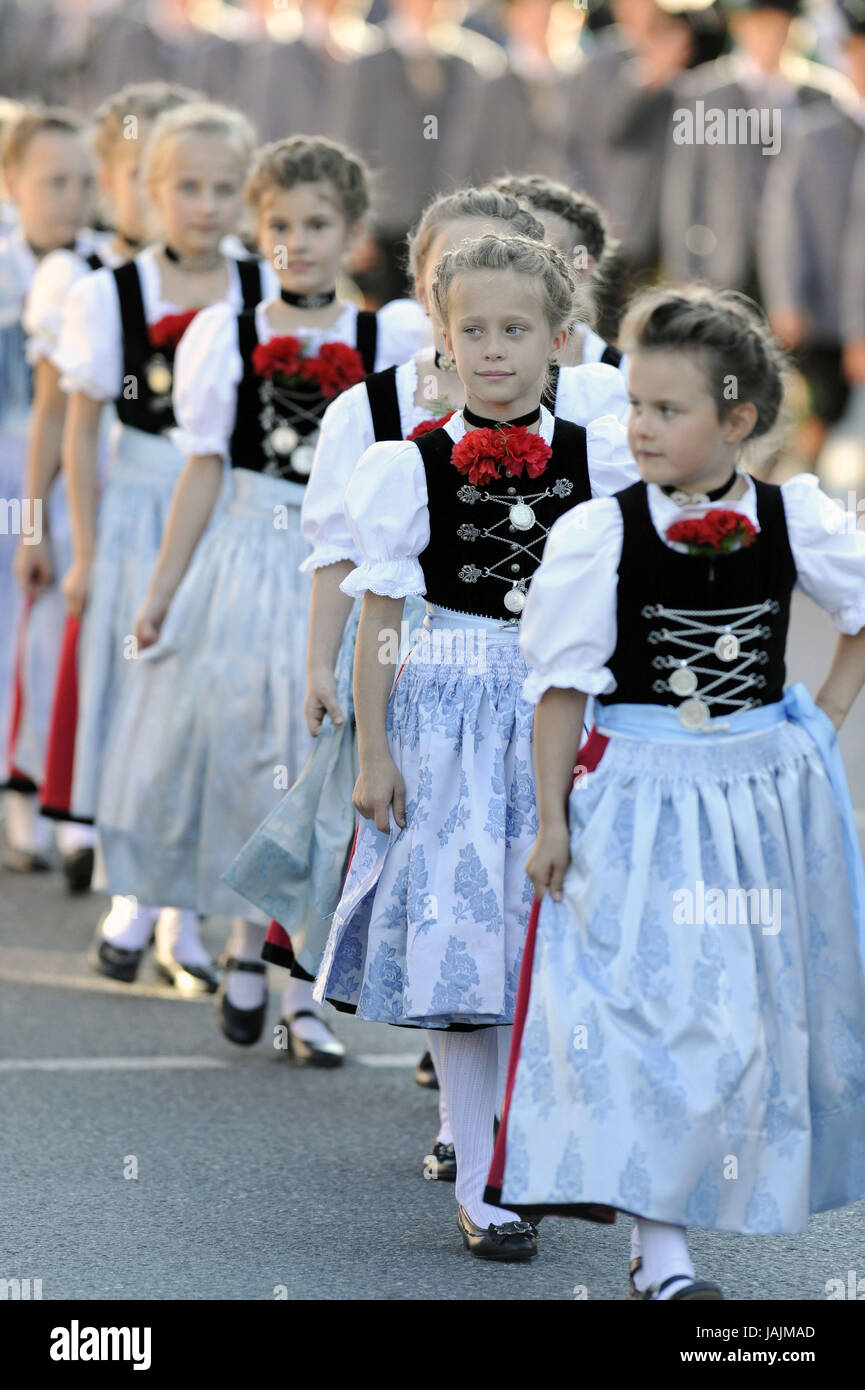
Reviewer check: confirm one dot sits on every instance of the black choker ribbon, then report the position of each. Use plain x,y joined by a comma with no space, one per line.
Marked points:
480,422
308,301
714,496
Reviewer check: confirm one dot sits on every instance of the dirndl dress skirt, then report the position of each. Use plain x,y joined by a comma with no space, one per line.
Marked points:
430,926
693,1049
210,730
133,511
293,867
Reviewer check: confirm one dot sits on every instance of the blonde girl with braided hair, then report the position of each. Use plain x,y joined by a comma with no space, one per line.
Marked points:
692,1048
429,930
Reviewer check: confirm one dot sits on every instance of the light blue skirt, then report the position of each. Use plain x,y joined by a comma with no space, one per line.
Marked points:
293,867
210,730
133,512
430,927
694,1047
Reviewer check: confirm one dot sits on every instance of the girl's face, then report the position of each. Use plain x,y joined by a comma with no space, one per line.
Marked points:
53,187
304,234
119,179
501,340
448,238
198,195
674,430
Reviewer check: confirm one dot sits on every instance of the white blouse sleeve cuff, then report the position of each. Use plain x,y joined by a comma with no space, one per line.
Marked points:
828,550
567,677
391,578
327,555
611,463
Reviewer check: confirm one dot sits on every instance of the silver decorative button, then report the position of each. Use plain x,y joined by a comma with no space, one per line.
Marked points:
283,439
693,714
515,569
683,681
521,516
511,491
301,459
727,647
159,378
515,600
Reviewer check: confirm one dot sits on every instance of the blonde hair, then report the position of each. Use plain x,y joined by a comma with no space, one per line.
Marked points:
728,330
31,121
196,118
546,267
143,101
487,203
311,159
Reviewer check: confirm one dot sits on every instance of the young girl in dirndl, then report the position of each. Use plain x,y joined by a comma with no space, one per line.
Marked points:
692,1051
430,927
212,727
118,337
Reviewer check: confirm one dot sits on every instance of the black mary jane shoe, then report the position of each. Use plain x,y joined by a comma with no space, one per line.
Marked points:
78,870
241,1026
23,861
441,1164
425,1073
696,1290
513,1240
311,1054
188,979
116,962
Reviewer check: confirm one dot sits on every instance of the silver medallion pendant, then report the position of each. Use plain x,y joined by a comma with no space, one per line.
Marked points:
159,377
521,517
283,439
689,499
301,459
727,647
515,600
683,681
693,714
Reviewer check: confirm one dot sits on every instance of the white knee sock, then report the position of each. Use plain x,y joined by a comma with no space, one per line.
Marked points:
128,925
665,1252
26,830
244,989
445,1134
469,1067
297,995
72,836
503,1036
178,938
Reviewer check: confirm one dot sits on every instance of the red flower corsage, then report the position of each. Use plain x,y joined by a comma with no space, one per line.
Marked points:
426,426
283,359
481,454
166,333
716,533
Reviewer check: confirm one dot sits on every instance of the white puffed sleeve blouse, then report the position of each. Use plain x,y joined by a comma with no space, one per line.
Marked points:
386,503
208,368
568,644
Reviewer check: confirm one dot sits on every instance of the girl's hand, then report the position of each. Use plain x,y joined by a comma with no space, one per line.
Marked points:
548,861
76,586
321,700
34,567
148,624
379,786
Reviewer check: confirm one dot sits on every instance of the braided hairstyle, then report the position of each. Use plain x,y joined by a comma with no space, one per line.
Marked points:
311,159
728,331
487,204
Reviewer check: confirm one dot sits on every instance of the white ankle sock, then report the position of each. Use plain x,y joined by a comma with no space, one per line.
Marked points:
26,830
469,1068
71,836
445,1134
296,995
177,937
244,989
665,1252
128,925
503,1038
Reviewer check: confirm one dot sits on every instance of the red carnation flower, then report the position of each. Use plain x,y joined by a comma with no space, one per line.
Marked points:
525,449
166,333
345,364
426,426
481,452
716,533
279,356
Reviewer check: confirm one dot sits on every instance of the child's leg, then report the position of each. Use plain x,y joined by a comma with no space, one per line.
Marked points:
297,998
178,938
469,1069
504,1036
445,1134
664,1251
244,989
128,925
27,833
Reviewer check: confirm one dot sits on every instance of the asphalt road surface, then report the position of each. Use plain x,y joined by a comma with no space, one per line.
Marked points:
144,1157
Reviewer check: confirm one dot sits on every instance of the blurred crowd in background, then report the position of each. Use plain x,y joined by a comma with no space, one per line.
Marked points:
435,93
